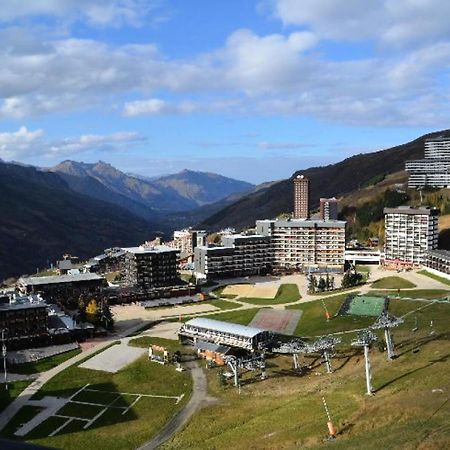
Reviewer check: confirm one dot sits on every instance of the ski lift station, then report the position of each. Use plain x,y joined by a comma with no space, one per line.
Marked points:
224,333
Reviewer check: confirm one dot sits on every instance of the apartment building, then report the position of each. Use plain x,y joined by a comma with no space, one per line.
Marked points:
239,255
60,288
301,197
150,267
438,261
409,234
306,245
328,209
186,240
24,319
214,262
434,169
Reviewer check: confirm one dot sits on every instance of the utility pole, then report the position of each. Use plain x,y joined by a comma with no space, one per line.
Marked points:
4,358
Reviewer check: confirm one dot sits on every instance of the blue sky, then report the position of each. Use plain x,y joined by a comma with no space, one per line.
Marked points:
249,89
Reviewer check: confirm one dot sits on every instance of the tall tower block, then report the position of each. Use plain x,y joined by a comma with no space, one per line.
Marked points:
301,197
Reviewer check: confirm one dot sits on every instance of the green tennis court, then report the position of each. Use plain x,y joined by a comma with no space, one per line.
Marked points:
365,305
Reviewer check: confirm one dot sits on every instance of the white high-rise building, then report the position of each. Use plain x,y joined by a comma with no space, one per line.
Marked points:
434,169
306,245
409,234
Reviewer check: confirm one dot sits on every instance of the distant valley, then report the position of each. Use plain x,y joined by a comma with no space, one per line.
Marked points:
83,208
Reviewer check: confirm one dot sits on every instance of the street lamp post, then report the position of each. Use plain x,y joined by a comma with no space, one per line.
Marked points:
4,358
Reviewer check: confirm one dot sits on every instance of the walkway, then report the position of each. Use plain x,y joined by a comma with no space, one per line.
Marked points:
198,400
42,378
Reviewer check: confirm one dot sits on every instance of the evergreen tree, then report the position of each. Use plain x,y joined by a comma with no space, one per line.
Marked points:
82,303
105,315
322,284
331,283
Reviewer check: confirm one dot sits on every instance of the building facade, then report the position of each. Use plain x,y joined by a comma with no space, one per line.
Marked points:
306,245
239,255
25,320
409,234
186,240
301,197
60,288
328,209
438,261
150,267
434,169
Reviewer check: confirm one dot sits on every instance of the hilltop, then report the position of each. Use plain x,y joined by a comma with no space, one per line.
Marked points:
148,197
347,176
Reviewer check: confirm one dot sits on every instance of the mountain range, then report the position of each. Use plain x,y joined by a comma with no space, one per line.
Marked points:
83,208
148,197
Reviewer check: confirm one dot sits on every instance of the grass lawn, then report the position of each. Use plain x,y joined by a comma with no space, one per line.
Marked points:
14,389
415,293
313,320
44,364
113,430
223,304
287,293
393,283
219,293
146,341
435,277
362,269
410,408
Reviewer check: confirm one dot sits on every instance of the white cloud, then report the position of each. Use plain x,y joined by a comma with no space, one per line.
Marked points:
154,106
95,12
25,144
250,74
392,22
16,143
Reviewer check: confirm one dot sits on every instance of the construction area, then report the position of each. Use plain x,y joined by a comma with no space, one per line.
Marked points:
260,290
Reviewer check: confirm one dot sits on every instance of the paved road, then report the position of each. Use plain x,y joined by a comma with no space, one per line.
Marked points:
198,400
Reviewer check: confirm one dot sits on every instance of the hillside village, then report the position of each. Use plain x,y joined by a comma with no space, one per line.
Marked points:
287,295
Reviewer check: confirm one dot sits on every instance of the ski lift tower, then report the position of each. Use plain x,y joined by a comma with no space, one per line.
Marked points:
252,362
385,322
326,345
364,339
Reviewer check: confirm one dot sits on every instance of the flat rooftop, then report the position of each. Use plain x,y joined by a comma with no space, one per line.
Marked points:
224,327
56,279
426,210
141,250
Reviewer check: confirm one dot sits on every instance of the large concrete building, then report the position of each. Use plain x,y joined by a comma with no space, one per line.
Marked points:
328,209
186,240
434,169
438,262
24,320
306,245
409,234
150,267
58,288
301,197
239,255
